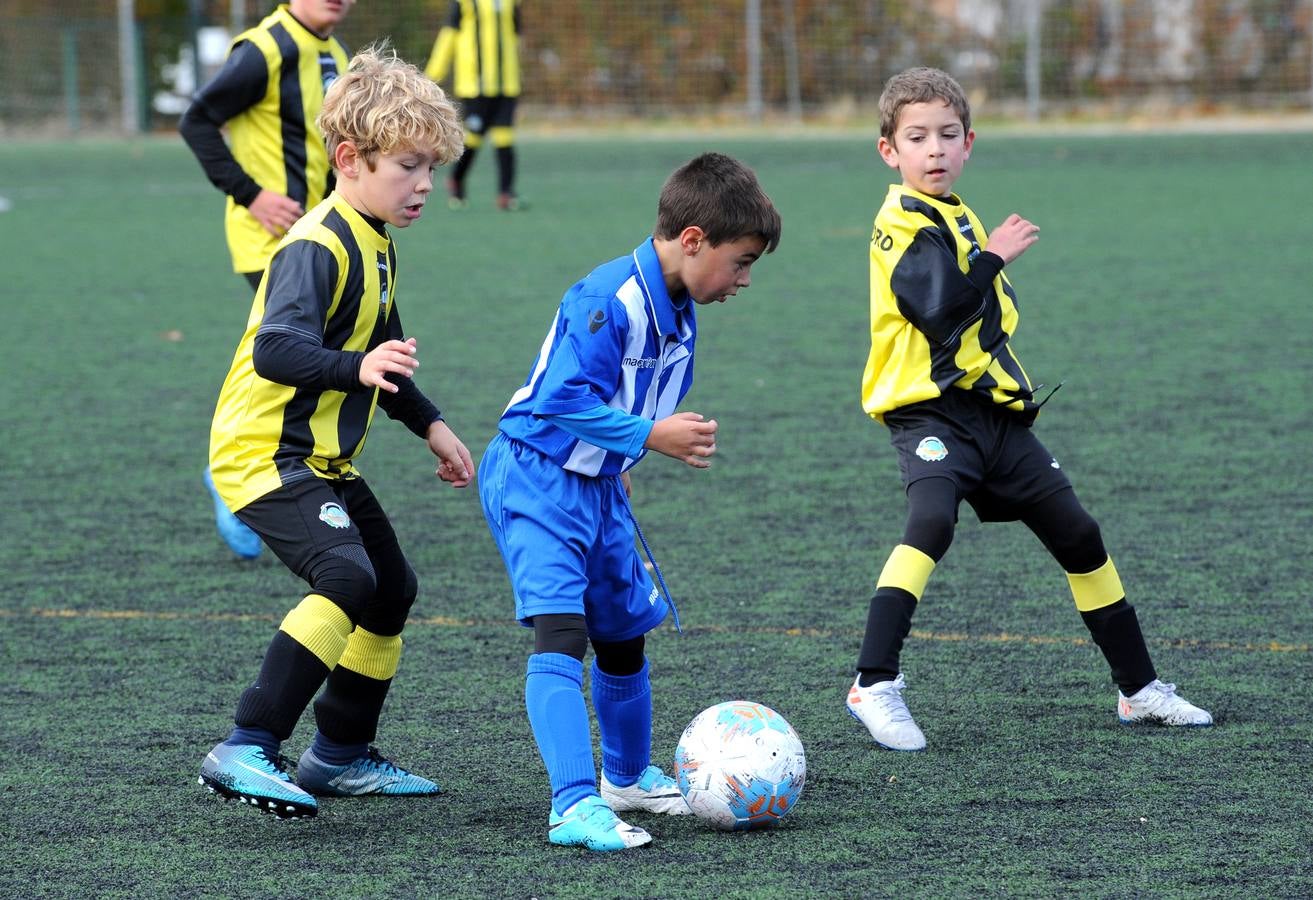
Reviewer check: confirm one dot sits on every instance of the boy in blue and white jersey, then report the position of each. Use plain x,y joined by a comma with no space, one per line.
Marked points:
554,483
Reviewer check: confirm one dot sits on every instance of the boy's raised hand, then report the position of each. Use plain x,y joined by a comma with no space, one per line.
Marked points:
388,357
686,437
455,466
1012,238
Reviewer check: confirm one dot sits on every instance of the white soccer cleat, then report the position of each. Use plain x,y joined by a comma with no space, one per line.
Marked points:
1158,703
882,710
654,791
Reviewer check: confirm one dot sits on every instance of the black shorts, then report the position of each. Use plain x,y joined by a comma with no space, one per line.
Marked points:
303,519
993,457
482,113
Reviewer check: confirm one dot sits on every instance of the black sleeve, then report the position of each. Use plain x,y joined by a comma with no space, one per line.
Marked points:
453,15
515,18
408,405
289,345
984,269
237,87
934,294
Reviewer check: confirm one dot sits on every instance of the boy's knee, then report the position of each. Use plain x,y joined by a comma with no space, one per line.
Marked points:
563,633
622,657
394,597
344,575
931,516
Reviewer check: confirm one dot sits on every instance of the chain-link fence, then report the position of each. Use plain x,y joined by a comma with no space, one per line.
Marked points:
113,65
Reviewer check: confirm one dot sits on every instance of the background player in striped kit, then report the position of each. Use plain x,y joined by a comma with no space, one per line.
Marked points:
268,93
323,347
602,391
943,377
480,45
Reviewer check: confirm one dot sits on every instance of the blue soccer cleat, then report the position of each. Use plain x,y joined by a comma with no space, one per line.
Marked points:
368,775
248,773
235,533
591,823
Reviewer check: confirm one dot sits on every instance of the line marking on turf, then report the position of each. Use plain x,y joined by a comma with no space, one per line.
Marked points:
958,637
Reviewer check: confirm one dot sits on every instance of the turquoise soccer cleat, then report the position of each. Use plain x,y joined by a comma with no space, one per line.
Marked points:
235,533
248,773
591,823
368,775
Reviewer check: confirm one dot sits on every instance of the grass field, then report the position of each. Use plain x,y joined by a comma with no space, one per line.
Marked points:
1170,290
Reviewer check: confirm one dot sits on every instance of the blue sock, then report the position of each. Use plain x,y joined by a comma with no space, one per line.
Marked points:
261,737
624,716
336,754
554,696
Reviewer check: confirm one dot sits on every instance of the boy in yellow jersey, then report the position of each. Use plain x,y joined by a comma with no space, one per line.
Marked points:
480,45
323,347
942,376
268,94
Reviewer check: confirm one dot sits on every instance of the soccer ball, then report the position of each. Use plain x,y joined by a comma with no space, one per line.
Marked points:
740,766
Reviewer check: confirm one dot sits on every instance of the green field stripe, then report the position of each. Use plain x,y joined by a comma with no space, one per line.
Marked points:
949,637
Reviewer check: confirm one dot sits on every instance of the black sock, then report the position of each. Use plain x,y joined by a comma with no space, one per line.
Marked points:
461,169
1116,631
887,623
505,170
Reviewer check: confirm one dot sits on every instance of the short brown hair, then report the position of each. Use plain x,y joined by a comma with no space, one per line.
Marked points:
383,104
720,195
920,85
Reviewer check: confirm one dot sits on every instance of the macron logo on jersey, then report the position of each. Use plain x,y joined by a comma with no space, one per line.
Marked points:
645,362
596,321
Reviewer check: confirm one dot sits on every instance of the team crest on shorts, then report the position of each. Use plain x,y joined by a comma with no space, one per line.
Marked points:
334,516
931,449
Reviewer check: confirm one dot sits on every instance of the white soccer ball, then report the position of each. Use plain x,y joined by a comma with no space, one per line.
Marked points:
740,766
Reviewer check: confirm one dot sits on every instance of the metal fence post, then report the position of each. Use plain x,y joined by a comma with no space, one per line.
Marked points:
72,107
1034,17
128,89
752,43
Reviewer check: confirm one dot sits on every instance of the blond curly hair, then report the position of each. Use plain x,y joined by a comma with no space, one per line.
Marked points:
384,105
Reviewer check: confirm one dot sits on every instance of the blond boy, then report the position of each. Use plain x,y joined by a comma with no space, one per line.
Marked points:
323,346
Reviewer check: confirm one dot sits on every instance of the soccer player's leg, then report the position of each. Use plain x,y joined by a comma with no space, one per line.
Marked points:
540,516
307,646
622,696
622,605
340,762
502,135
1073,538
876,696
476,125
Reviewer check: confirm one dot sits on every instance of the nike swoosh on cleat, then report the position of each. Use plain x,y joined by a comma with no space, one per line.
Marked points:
265,775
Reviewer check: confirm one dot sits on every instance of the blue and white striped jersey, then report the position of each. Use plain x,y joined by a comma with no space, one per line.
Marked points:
618,341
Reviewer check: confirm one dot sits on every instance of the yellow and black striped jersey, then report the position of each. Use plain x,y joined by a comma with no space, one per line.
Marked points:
481,39
292,405
269,93
942,311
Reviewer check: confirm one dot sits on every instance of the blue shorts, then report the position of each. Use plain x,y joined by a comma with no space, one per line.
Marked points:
568,543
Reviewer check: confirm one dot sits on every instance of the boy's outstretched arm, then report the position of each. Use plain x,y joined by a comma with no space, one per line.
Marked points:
686,436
